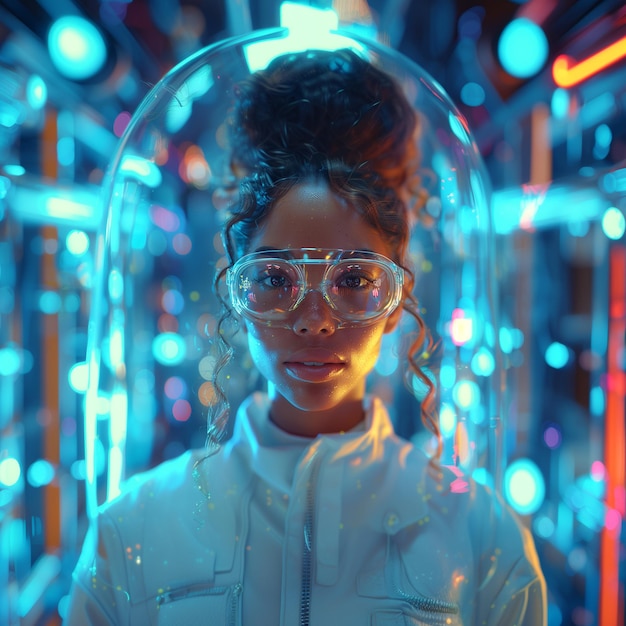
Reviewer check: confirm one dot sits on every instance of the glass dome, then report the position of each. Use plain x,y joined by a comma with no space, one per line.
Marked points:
154,313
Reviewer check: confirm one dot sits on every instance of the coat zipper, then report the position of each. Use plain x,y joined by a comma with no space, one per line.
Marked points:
429,605
234,604
307,547
421,603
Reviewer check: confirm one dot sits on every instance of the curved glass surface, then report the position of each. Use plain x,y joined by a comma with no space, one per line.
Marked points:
154,313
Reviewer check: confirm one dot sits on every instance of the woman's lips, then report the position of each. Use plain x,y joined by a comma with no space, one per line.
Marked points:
314,365
314,372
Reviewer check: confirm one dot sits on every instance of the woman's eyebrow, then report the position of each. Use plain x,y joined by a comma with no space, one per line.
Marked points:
267,249
288,253
278,252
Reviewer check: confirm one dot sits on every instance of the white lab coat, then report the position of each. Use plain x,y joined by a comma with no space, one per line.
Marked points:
344,529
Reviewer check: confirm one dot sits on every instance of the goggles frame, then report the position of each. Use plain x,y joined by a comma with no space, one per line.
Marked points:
331,257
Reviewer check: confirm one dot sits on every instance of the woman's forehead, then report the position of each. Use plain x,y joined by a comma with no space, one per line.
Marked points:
310,215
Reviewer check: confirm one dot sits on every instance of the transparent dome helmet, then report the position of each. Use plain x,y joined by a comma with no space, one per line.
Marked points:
151,348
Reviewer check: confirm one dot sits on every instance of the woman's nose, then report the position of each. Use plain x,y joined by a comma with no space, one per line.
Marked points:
314,316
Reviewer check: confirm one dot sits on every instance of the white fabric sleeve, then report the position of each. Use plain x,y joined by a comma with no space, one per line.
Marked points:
512,589
95,598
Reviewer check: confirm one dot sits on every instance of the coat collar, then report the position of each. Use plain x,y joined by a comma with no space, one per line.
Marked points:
370,459
367,477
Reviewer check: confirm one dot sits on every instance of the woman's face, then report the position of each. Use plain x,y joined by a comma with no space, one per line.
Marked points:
316,371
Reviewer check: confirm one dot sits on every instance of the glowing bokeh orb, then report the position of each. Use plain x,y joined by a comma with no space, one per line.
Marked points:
10,472
40,473
76,47
169,349
522,48
10,362
524,486
77,242
483,362
77,377
557,355
613,223
36,92
466,394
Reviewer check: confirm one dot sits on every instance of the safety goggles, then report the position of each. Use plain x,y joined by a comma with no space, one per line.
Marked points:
360,287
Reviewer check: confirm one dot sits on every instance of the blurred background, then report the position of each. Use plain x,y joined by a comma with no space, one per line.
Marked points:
542,84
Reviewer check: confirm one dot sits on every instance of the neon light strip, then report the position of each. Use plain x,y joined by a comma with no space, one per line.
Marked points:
567,73
50,347
611,587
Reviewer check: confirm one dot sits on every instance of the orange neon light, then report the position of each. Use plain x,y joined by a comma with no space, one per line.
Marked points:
567,73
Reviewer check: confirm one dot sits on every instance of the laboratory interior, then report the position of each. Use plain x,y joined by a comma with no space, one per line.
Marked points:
113,190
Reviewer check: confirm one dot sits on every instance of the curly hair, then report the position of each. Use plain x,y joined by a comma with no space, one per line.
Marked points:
329,116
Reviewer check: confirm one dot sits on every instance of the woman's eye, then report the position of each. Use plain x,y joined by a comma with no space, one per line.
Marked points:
354,281
273,281
276,281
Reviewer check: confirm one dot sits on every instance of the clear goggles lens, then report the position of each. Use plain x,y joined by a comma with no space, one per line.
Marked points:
360,287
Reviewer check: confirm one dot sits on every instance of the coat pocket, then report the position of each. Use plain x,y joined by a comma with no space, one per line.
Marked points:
199,605
399,607
400,603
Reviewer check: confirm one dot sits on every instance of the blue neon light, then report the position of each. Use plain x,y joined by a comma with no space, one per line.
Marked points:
76,47
169,349
557,355
36,92
613,223
524,486
522,48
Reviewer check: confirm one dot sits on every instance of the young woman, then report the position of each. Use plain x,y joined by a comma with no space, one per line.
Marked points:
314,512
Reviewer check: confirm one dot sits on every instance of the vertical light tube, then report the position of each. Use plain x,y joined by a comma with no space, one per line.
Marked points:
50,351
611,588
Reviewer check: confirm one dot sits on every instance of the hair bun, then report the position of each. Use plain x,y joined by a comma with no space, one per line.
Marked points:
318,106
